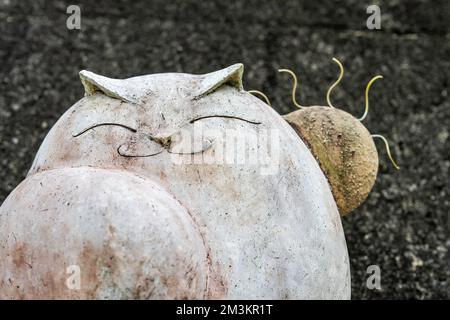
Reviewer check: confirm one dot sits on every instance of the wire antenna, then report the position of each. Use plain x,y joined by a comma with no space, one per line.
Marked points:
341,75
369,84
294,88
259,93
386,143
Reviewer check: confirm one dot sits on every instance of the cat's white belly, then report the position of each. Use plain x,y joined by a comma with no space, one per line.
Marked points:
86,233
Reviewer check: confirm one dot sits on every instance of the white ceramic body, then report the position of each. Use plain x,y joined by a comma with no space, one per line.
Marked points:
265,230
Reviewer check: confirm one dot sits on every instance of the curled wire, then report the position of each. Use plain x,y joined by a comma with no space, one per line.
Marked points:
369,84
386,143
341,75
259,93
294,88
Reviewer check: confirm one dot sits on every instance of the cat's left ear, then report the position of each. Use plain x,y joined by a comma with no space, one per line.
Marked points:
212,81
114,88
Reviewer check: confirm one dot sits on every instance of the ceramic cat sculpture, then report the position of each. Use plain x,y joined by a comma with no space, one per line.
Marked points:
126,200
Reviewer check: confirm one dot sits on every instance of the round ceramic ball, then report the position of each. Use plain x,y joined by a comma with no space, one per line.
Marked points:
344,149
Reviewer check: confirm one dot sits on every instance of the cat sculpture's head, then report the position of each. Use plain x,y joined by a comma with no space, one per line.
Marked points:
188,132
173,117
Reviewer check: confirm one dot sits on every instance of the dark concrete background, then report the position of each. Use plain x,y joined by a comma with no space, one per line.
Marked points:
404,225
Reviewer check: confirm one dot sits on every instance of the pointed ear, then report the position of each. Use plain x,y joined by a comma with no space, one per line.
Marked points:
114,88
211,81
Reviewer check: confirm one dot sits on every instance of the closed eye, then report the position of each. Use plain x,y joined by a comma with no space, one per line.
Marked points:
104,124
223,116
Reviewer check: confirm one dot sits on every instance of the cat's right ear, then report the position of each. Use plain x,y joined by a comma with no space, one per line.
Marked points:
115,88
212,81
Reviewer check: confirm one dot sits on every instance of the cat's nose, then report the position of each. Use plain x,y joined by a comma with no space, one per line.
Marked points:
164,141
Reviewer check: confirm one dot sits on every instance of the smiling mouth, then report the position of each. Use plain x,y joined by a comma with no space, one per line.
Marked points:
136,156
123,153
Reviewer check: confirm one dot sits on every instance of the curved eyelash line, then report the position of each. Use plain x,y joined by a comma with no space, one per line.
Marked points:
134,130
104,124
227,117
